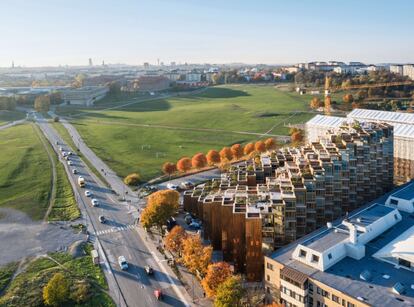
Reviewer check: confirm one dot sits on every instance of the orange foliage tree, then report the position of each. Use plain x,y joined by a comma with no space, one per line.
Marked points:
195,256
199,160
237,151
213,157
316,103
270,144
226,154
184,164
174,240
297,137
169,168
216,274
248,149
260,146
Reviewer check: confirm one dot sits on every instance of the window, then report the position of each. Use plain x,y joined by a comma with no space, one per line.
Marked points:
310,288
302,253
394,202
329,256
350,305
396,217
269,266
318,290
404,262
315,258
335,298
267,277
325,293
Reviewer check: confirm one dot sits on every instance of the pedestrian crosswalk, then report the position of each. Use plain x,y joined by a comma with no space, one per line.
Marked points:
114,229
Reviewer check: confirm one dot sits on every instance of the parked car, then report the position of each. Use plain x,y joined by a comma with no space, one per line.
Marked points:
88,193
123,264
171,222
95,202
188,219
158,294
70,163
69,153
149,270
186,185
102,219
74,171
61,148
171,186
64,153
57,143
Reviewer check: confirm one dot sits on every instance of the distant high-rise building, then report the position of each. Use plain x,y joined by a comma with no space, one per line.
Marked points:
12,66
158,62
146,65
103,63
90,62
173,64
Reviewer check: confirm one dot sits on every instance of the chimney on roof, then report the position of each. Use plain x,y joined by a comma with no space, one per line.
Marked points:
353,237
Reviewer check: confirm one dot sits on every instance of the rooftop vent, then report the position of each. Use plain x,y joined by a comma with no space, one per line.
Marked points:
365,275
398,288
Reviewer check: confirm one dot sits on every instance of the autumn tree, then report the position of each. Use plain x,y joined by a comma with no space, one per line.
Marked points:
195,256
132,179
56,292
216,274
213,157
226,154
42,103
297,136
199,160
161,205
237,151
270,144
229,293
169,168
184,164
348,98
316,103
248,149
174,240
328,103
260,146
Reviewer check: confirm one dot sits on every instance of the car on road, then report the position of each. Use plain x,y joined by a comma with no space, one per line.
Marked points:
74,171
171,186
102,219
70,163
123,264
88,193
67,158
61,148
95,202
158,294
149,270
186,185
57,143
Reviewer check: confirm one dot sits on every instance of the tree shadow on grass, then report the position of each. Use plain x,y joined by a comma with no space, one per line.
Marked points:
219,92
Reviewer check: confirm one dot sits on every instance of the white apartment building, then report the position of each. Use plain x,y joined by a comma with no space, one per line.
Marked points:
396,69
408,70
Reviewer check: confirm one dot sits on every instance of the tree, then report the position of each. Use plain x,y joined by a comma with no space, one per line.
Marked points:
79,80
316,103
217,273
237,151
361,95
226,154
55,98
195,256
56,291
297,137
229,293
160,207
213,157
249,148
199,160
169,168
174,240
56,119
81,292
270,144
132,179
7,103
184,164
260,146
42,103
348,98
328,105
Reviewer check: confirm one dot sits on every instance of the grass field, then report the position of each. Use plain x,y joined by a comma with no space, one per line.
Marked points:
130,139
9,116
27,287
25,176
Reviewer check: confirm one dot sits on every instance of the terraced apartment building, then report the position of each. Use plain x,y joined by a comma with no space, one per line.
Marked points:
277,197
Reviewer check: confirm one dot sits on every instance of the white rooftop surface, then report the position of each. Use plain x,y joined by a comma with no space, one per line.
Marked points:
401,247
386,116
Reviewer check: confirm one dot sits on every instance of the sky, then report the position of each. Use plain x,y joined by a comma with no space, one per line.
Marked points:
61,32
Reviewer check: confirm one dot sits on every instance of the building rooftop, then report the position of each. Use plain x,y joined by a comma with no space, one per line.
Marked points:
378,278
386,116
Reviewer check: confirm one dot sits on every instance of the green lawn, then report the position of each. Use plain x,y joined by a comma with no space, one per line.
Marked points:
26,289
249,108
6,274
25,176
9,116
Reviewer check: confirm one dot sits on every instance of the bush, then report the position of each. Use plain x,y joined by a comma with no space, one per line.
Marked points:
132,179
56,119
56,291
80,293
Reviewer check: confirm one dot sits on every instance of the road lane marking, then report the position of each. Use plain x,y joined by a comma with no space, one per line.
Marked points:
115,229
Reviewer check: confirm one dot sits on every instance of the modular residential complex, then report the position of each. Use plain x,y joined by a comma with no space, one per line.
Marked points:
367,259
276,197
403,124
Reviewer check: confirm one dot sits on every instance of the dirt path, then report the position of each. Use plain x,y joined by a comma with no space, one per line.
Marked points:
54,175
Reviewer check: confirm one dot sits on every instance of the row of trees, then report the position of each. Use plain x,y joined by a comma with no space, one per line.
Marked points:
213,157
216,278
7,103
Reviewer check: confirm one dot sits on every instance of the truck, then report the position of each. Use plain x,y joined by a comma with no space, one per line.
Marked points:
81,181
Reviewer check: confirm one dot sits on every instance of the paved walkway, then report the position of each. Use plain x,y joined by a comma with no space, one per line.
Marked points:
11,124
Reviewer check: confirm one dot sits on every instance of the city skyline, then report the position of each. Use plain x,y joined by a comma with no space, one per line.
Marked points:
52,34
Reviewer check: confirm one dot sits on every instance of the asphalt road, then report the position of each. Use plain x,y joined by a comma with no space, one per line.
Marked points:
119,236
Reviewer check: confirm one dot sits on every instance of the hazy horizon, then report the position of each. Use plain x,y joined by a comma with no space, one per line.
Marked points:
53,33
